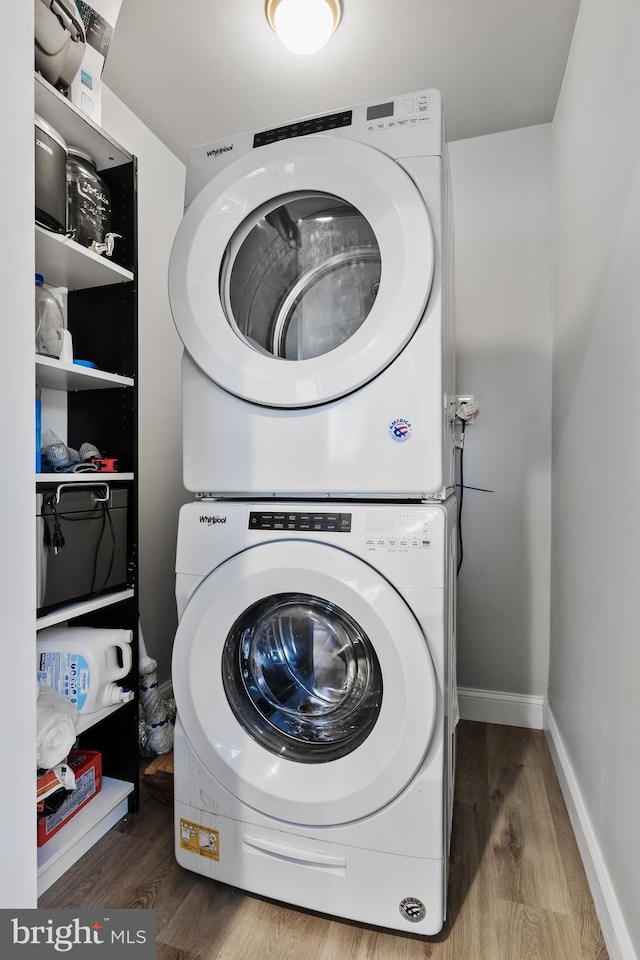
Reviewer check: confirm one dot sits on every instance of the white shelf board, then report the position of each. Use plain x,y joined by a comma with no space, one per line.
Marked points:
65,263
73,610
87,720
84,829
59,375
91,476
75,127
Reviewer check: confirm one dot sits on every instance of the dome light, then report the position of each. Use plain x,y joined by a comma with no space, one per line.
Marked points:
303,26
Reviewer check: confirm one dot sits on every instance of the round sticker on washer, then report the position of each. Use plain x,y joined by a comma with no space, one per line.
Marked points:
413,909
400,430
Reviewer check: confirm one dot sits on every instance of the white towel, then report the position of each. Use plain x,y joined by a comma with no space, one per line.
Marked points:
56,727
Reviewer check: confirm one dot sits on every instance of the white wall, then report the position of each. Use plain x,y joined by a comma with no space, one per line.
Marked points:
17,532
160,203
595,625
502,201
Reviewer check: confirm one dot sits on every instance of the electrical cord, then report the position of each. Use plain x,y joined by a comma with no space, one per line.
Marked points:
460,498
57,541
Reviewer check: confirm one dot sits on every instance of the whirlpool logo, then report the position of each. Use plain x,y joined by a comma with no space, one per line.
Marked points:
216,151
42,933
211,521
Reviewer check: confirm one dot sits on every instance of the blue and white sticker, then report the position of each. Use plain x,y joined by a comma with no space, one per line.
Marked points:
400,430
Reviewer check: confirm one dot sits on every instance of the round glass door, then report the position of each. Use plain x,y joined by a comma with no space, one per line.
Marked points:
300,276
301,270
315,705
302,678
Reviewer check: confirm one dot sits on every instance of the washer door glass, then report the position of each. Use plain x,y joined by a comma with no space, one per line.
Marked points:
300,276
302,678
281,695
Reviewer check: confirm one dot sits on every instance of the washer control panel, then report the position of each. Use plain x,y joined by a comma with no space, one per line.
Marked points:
300,520
406,531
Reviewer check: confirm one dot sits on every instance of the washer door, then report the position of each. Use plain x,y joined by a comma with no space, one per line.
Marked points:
301,271
304,683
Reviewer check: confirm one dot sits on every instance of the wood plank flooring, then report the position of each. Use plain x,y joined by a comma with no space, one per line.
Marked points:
517,888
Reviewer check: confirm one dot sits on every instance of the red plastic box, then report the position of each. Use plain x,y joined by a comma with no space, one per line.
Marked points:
87,767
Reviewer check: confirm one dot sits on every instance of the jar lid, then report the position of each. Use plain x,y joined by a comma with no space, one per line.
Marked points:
51,131
78,152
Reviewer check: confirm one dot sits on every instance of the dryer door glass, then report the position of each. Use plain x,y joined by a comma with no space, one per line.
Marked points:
302,678
300,276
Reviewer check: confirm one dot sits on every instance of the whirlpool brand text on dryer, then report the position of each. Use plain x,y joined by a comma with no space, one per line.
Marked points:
218,150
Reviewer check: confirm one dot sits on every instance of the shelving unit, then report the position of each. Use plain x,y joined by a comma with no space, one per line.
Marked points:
74,265
96,405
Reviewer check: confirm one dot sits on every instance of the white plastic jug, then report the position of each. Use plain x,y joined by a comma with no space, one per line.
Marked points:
84,663
49,321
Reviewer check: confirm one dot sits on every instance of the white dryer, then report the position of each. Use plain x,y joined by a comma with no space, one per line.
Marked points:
311,283
314,676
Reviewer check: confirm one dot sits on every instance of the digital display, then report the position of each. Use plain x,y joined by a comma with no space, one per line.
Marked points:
380,110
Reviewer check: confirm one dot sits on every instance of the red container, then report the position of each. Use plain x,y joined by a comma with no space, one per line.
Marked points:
87,767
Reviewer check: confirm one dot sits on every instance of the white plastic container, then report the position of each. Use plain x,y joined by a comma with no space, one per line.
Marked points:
49,320
84,663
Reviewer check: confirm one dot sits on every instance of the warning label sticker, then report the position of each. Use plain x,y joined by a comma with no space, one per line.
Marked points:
199,839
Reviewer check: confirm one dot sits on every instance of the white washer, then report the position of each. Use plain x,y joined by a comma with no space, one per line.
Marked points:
314,676
311,283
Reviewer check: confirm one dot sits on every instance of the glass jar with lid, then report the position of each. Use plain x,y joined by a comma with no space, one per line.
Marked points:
88,199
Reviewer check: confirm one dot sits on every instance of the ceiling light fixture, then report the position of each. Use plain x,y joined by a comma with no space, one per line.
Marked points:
303,26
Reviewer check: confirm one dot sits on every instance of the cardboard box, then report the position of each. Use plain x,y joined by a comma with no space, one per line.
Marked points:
87,767
99,20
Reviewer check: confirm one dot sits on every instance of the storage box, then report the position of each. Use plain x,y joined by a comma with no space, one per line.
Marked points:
99,20
95,554
87,767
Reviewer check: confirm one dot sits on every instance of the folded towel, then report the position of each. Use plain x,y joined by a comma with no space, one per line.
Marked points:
55,727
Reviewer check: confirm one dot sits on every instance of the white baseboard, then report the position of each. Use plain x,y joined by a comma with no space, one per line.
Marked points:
614,927
517,710
509,709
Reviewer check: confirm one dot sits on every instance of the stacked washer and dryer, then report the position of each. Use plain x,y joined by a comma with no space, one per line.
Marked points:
314,661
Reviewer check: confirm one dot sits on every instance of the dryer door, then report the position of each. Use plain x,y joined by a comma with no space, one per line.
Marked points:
304,683
301,271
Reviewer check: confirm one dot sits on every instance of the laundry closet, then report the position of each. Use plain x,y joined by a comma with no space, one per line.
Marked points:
537,641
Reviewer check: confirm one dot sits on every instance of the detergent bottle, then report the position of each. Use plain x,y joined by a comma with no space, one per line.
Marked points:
84,663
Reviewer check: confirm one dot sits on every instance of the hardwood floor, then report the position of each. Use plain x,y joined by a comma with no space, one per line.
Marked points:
517,887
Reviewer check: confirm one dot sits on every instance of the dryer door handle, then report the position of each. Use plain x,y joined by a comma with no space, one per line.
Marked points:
286,851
